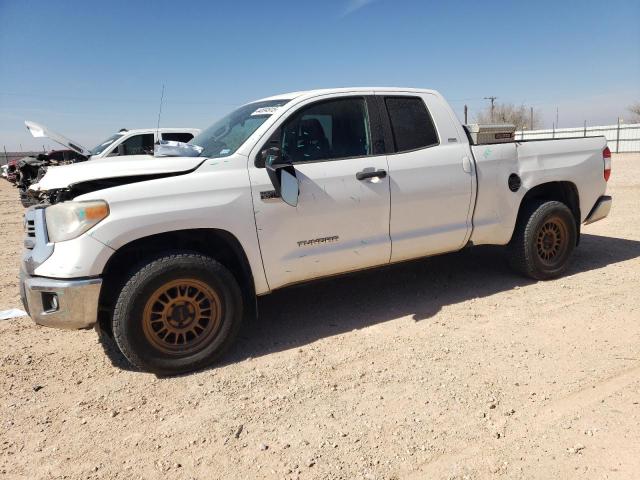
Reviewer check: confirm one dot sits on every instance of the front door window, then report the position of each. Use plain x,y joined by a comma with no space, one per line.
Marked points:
328,130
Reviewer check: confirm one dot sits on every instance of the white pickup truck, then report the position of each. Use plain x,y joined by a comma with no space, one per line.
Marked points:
125,142
168,256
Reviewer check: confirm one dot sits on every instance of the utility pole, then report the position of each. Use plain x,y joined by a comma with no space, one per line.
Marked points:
531,117
466,111
6,158
493,99
557,123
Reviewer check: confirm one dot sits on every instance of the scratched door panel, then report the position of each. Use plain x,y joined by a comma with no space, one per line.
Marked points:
340,224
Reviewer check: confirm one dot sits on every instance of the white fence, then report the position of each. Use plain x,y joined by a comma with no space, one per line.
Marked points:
620,138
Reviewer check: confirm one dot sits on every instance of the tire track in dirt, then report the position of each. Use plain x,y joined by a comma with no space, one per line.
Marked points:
542,419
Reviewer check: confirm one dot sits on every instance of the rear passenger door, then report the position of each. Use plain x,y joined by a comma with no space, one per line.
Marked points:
431,193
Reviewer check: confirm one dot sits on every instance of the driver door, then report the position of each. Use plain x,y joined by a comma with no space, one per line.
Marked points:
341,221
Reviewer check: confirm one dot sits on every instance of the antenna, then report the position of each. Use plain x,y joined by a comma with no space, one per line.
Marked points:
159,114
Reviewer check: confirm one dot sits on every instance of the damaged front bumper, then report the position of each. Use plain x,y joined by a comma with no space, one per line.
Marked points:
61,303
69,303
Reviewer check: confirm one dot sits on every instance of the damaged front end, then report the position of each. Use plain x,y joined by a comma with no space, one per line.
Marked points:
68,182
57,195
30,170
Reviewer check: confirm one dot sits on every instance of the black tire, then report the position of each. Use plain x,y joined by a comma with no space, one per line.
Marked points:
141,314
544,239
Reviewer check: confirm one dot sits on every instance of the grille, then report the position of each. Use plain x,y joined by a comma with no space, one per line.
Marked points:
36,244
30,228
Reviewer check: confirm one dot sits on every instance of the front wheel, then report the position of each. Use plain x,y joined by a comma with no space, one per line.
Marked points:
543,240
177,313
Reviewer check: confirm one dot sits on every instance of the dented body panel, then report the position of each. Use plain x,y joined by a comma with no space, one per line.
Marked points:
578,161
117,167
216,195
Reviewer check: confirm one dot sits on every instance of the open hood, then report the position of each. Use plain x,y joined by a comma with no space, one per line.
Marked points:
40,131
114,167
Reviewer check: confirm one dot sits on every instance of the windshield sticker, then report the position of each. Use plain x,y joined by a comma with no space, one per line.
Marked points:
265,111
224,151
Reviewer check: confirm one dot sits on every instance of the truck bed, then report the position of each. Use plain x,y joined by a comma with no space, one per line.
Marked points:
577,161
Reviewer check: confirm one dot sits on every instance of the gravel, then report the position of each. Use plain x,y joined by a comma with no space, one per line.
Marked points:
386,374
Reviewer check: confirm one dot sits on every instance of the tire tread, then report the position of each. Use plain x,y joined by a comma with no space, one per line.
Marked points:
150,268
520,257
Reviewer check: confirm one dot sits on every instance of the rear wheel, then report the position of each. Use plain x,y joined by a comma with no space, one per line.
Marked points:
177,313
544,239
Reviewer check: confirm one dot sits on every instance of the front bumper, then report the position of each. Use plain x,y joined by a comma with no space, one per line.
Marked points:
69,304
600,210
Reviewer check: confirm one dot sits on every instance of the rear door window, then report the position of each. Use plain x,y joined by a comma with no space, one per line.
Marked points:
177,136
136,145
411,123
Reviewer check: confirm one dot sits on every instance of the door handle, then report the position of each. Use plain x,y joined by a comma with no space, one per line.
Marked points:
363,175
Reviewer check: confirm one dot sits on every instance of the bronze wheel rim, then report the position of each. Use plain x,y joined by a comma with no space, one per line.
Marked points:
182,316
551,241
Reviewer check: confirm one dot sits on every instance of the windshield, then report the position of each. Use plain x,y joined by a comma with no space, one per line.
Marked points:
101,147
227,135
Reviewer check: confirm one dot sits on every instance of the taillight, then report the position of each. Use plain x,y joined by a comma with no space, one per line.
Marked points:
606,156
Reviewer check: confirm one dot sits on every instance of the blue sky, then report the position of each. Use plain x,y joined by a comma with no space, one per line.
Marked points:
88,68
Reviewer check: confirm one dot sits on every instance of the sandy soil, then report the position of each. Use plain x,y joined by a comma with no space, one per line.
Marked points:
449,367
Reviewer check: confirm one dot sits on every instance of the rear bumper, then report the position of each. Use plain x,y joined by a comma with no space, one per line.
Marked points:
68,304
600,210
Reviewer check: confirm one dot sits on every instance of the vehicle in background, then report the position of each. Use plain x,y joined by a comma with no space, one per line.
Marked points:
125,143
31,169
168,257
12,170
3,170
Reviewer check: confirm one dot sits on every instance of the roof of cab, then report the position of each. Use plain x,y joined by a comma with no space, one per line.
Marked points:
327,91
161,129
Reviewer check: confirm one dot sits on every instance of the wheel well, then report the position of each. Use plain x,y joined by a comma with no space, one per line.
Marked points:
565,192
218,244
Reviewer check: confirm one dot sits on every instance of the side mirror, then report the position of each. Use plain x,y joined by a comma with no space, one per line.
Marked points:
289,187
282,176
271,156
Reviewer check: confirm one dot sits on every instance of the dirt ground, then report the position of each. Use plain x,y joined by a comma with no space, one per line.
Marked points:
450,367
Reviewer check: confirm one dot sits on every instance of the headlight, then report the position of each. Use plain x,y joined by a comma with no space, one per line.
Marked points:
71,219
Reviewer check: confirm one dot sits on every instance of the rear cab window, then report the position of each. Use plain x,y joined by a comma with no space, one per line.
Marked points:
411,124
